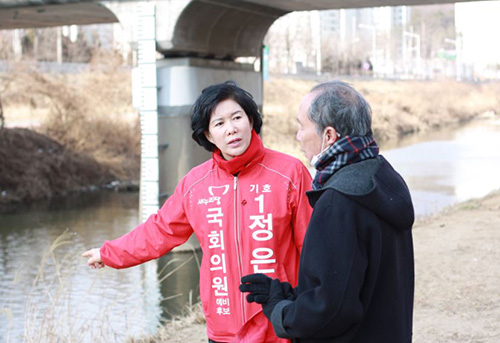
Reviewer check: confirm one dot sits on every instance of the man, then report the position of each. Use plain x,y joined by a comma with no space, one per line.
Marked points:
356,272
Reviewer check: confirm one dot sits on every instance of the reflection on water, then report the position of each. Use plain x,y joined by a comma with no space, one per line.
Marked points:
450,166
39,289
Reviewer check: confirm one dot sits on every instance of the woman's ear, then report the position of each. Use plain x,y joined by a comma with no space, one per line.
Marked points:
209,137
330,135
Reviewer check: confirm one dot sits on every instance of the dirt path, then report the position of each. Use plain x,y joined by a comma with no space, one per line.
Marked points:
457,296
457,257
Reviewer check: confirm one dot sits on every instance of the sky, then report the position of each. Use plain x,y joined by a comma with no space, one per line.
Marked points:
480,26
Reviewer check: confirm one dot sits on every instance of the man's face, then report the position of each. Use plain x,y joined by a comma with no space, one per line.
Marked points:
310,142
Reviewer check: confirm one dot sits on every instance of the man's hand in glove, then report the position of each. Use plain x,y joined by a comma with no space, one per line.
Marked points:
263,290
257,286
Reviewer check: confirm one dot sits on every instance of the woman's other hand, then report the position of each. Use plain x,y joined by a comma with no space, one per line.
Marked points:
94,258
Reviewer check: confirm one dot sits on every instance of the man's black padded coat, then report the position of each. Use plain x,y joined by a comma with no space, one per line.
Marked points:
356,274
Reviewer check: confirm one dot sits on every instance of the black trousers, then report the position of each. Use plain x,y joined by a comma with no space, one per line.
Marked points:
210,341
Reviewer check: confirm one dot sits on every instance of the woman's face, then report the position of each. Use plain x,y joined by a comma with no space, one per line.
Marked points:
229,129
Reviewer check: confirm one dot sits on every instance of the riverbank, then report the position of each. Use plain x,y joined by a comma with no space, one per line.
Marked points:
456,287
66,133
90,117
35,166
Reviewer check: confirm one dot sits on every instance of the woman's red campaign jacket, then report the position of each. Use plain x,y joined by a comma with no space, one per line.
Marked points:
251,223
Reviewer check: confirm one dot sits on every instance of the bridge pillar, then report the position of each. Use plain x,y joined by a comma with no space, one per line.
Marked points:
180,81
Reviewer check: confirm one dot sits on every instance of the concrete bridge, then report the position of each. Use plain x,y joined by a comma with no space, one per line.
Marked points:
216,29
199,40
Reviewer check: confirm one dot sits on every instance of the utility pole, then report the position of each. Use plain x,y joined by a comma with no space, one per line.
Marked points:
316,31
458,56
35,44
16,45
411,48
59,46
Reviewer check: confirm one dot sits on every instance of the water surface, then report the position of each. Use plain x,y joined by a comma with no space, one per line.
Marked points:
451,165
54,291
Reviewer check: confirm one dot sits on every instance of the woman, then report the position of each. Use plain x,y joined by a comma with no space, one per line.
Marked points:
247,207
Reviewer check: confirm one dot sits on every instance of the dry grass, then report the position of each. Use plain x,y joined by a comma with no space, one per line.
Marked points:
405,107
89,113
87,132
399,107
33,166
58,319
282,97
52,315
179,329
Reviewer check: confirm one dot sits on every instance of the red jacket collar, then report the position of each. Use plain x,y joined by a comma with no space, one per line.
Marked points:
252,156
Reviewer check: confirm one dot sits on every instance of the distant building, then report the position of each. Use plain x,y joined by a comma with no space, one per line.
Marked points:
400,16
347,39
330,22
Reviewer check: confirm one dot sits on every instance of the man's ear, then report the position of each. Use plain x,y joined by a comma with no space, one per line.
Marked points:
209,137
330,135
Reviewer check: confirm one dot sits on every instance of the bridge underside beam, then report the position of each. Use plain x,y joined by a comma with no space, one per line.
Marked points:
220,29
308,5
46,13
49,15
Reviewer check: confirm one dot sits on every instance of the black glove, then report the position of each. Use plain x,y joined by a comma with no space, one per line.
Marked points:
275,296
257,285
264,290
288,291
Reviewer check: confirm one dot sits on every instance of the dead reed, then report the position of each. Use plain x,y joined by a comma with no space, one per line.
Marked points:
55,314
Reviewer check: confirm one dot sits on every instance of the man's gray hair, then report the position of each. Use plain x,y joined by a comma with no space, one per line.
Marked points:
340,106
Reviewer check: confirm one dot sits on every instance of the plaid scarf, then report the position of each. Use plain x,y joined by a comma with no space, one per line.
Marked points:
345,151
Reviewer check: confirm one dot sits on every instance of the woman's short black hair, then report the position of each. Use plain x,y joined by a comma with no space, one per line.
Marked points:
209,98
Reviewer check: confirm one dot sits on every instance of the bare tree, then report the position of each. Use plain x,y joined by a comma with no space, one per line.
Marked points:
330,54
434,23
5,45
5,84
281,39
6,81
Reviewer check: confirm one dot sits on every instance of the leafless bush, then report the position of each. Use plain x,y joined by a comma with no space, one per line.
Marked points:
89,113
